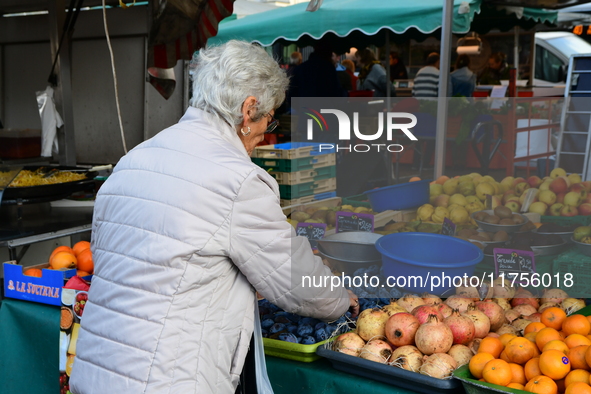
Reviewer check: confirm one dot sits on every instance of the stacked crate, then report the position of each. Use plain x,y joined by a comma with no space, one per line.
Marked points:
303,170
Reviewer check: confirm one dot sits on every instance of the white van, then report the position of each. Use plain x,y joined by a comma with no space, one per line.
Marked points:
553,50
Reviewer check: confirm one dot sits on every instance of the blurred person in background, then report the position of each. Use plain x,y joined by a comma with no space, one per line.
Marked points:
463,80
426,82
397,68
372,75
350,69
344,78
496,71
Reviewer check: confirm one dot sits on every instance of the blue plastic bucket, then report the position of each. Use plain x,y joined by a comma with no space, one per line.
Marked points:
428,258
397,197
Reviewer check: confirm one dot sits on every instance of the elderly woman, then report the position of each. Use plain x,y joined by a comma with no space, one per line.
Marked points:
185,231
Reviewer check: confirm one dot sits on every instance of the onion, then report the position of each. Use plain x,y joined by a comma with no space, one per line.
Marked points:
434,337
431,299
393,308
511,315
401,329
480,320
376,350
438,365
525,309
410,302
571,305
494,313
520,324
422,313
553,295
462,328
407,357
474,345
507,329
503,303
461,353
444,309
371,323
502,288
534,317
458,302
349,343
547,305
525,300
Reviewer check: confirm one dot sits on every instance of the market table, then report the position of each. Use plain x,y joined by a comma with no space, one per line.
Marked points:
29,353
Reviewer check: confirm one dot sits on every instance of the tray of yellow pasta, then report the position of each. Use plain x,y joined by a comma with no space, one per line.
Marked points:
31,185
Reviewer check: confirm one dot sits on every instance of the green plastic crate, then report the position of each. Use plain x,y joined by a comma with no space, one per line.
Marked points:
289,192
567,221
578,264
304,163
315,174
359,200
292,351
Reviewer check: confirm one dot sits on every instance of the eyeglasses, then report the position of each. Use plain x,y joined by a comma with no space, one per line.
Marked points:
272,124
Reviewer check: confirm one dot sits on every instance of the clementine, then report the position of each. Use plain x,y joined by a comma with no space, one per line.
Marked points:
554,364
80,246
520,350
532,368
576,375
574,340
63,260
517,374
85,262
578,388
414,179
492,346
553,317
541,385
477,363
497,372
546,335
516,386
556,345
505,338
576,355
533,327
33,272
62,248
576,324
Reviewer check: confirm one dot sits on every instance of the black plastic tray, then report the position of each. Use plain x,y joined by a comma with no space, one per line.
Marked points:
390,375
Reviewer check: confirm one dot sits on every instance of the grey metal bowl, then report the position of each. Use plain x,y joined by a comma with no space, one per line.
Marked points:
493,228
346,266
351,246
582,247
566,236
549,249
486,243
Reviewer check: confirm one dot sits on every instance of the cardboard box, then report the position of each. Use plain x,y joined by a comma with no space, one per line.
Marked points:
46,289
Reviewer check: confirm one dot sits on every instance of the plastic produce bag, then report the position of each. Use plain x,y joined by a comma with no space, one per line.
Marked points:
263,383
50,121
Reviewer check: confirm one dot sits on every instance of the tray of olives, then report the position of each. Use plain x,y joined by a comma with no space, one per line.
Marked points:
501,218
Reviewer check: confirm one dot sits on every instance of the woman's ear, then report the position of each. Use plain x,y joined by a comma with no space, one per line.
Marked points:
248,109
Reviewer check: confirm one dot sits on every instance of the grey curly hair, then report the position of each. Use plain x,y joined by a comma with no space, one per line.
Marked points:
227,74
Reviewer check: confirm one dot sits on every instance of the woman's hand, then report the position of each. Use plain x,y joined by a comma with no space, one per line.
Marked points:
354,304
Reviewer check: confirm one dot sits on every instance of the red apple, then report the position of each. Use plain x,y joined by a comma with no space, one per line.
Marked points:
555,209
534,181
587,199
514,206
587,186
585,209
559,185
507,195
518,180
441,200
520,188
579,188
569,210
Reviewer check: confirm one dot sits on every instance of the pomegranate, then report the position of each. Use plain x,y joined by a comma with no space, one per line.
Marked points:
410,302
444,309
507,329
480,320
474,345
431,299
468,292
511,315
401,329
520,324
376,350
571,305
461,353
393,308
433,337
371,323
349,343
493,335
525,309
553,295
534,317
422,312
407,357
458,302
503,303
525,300
462,327
523,293
494,313
547,305
438,365
502,288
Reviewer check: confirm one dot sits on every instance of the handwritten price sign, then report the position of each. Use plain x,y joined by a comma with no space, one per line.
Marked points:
514,261
312,231
351,221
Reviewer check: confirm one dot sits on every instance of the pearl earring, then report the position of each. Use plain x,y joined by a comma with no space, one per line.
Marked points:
247,133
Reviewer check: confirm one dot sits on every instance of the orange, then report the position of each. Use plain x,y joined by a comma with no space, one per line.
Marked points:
85,262
520,350
516,386
33,272
62,248
517,374
554,364
574,340
576,375
589,318
492,346
504,357
588,356
553,317
441,180
497,372
578,388
576,355
414,179
533,327
576,324
546,335
477,363
505,338
531,336
532,368
82,273
80,246
556,345
541,385
63,260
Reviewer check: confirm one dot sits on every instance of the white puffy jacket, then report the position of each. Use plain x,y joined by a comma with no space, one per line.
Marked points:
184,231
